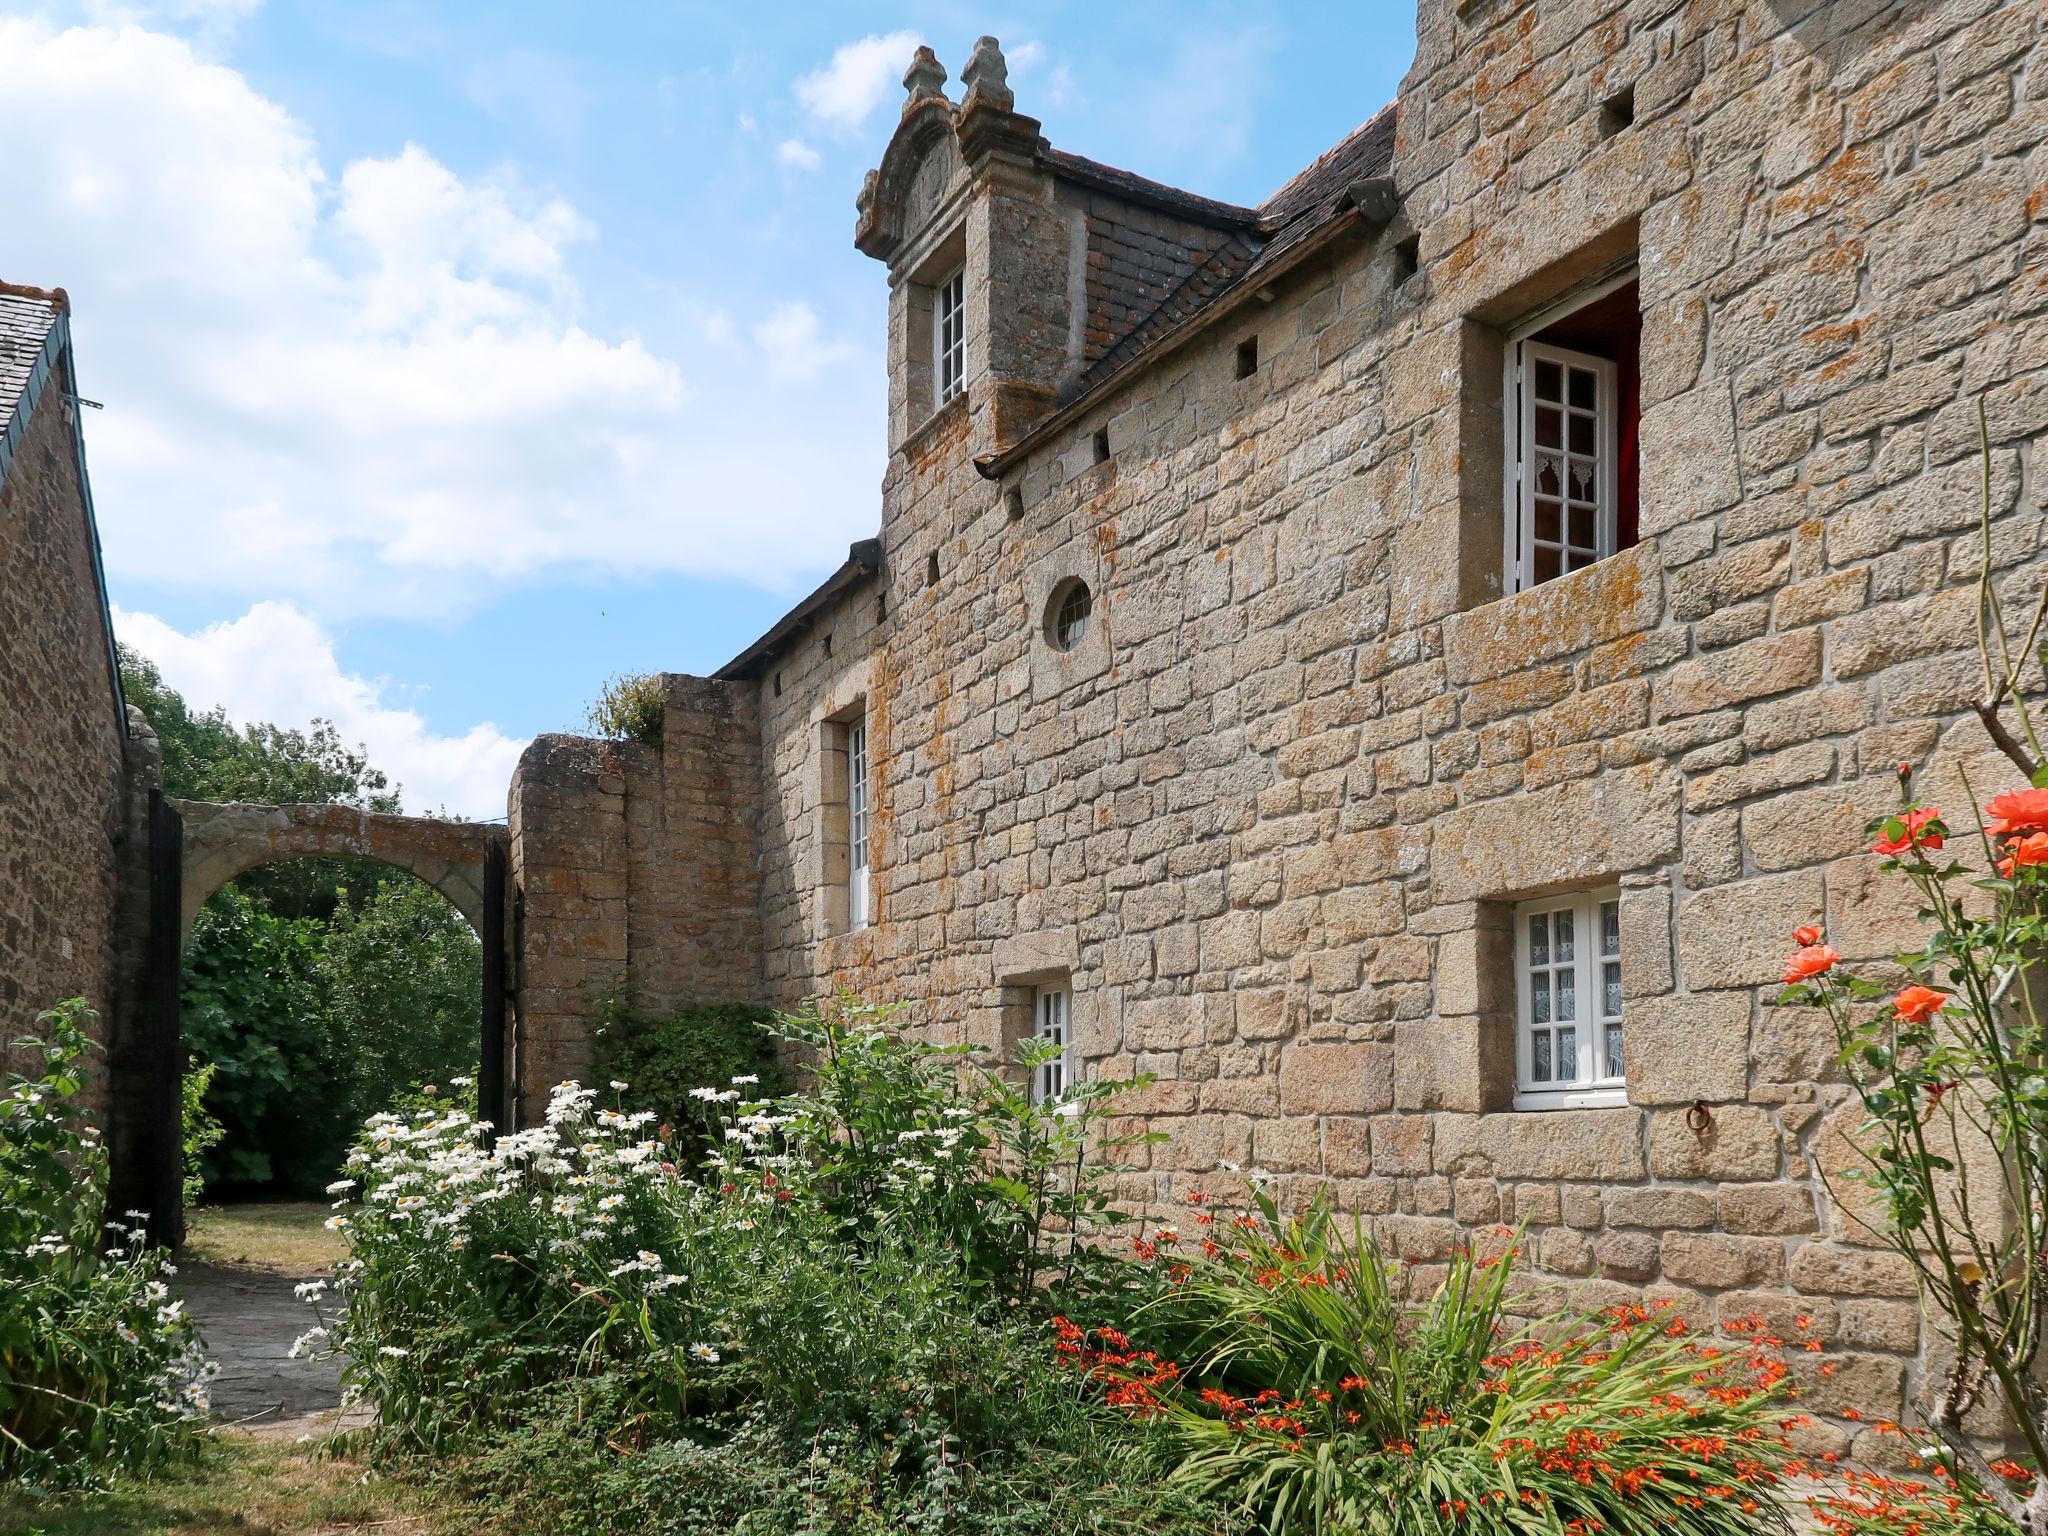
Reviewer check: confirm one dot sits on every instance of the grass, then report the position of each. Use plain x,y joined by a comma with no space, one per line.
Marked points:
290,1238
246,1486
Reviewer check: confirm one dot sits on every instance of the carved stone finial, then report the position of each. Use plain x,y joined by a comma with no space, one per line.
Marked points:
925,75
987,76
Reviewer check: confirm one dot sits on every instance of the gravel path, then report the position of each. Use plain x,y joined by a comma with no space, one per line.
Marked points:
249,1318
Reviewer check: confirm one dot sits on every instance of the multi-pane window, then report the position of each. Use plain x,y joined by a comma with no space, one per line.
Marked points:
1573,416
1568,1048
857,807
949,335
1052,1009
1566,468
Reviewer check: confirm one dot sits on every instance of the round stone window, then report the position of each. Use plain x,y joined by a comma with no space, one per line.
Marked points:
1066,614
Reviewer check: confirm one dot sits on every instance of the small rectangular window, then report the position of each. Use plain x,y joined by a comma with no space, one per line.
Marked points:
949,335
1568,1048
1052,1019
1572,421
857,807
1248,357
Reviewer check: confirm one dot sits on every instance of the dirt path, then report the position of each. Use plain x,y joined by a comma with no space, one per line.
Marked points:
250,1318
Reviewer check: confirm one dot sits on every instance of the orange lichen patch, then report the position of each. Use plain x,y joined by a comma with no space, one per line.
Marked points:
1846,180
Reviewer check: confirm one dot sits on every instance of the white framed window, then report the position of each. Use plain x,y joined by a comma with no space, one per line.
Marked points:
1568,1023
1052,1013
857,820
949,335
1570,399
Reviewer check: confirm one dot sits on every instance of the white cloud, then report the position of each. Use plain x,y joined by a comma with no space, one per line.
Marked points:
797,155
276,664
793,345
374,389
1026,56
861,74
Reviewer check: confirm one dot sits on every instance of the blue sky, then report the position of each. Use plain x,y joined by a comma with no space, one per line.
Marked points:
458,356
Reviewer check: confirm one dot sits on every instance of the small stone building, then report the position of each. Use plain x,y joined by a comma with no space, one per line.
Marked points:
1398,661
68,822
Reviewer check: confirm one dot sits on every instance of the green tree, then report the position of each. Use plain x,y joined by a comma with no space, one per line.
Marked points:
316,989
403,972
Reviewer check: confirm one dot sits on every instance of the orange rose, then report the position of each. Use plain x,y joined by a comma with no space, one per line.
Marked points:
1810,961
1918,1004
1914,821
1806,937
2022,851
2024,810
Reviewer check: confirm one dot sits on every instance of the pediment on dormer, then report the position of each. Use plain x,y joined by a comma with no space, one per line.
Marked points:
920,170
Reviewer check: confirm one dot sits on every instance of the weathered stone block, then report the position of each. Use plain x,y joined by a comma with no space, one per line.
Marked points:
1336,1079
1688,1046
1739,1143
1720,1262
1739,935
1553,1144
1573,832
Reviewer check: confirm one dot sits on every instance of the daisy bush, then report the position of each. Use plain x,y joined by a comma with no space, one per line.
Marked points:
843,1301
100,1369
1298,1387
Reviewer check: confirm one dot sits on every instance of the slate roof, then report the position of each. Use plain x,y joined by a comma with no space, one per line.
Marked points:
27,317
1308,202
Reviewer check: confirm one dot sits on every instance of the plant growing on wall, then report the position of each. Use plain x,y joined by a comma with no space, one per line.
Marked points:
631,707
1952,1069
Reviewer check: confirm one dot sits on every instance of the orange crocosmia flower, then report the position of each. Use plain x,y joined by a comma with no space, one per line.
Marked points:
1806,937
1810,961
2024,851
2024,810
1914,821
1918,1004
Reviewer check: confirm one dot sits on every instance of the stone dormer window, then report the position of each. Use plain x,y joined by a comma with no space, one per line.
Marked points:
949,334
1572,416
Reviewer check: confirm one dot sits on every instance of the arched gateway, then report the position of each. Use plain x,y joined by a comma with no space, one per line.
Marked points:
194,849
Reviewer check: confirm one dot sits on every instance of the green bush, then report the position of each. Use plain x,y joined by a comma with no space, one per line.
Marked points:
1316,1399
313,1024
631,707
662,1059
845,1306
99,1369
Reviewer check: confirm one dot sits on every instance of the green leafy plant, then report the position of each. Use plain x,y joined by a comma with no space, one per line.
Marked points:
631,707
663,1057
202,1129
99,1368
1315,1399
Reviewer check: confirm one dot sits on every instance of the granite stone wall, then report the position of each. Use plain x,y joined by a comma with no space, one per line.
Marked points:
1278,807
635,876
62,806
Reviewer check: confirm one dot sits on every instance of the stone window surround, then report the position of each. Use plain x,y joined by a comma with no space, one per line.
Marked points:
1485,477
1026,962
1462,1057
1053,670
842,702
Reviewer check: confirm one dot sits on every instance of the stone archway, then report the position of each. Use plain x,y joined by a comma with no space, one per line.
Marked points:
223,841
195,848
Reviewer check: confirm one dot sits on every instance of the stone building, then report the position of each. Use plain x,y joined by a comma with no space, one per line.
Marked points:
67,819
1398,661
